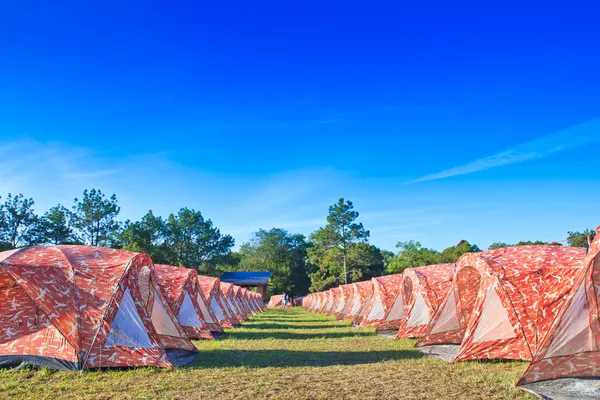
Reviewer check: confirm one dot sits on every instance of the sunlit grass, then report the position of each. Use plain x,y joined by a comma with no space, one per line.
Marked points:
284,354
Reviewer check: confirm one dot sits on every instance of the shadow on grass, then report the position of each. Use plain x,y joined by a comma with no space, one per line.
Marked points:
288,358
290,325
261,335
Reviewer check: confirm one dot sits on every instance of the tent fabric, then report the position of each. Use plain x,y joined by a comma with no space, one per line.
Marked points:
569,354
423,289
505,300
387,307
239,300
227,292
362,294
211,289
345,301
276,301
182,292
79,307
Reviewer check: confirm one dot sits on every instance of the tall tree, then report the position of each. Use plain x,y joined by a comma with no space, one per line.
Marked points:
342,230
452,254
147,236
283,254
192,241
18,221
55,226
94,216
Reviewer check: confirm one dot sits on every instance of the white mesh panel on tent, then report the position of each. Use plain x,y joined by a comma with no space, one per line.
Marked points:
329,303
207,317
216,309
127,328
356,306
341,305
363,310
574,334
448,319
187,313
494,323
161,320
420,314
377,310
397,311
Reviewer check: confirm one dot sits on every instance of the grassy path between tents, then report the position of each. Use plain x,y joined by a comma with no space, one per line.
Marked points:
284,354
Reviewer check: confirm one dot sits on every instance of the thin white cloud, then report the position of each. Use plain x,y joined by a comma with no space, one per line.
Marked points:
576,136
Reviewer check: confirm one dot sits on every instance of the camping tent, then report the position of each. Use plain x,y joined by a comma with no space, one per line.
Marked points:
184,296
238,297
276,301
501,302
567,363
360,293
78,307
227,291
211,289
424,289
387,306
365,290
344,301
329,301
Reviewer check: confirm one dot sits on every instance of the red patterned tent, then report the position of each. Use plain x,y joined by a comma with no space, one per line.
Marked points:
275,301
238,297
424,289
501,302
329,302
344,301
387,307
360,293
211,289
247,299
567,362
365,290
227,291
77,307
336,296
180,288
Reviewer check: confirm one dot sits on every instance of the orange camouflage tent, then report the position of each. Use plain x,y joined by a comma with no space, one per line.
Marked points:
80,307
567,362
361,292
211,289
183,294
424,289
502,302
386,309
275,301
365,290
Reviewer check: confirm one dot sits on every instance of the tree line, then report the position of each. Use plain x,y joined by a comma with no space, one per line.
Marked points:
337,253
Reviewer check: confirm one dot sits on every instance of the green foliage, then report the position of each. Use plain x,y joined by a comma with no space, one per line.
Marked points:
94,217
580,239
280,252
192,241
185,239
332,243
411,254
18,222
147,236
56,227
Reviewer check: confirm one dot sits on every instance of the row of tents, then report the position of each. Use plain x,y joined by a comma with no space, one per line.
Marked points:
531,303
81,307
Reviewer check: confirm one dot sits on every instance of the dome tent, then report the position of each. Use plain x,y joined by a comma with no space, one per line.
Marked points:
81,307
501,302
180,287
567,362
365,292
423,289
211,289
386,308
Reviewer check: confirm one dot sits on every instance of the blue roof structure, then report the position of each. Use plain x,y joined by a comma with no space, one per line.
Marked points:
246,278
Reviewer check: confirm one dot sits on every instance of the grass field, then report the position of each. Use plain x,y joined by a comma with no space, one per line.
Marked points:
284,354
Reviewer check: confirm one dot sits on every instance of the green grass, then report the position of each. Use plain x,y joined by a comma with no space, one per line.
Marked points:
284,354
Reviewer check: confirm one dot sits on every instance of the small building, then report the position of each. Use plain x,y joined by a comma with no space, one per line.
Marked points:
259,280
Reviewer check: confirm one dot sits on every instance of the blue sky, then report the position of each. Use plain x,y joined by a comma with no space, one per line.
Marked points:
441,121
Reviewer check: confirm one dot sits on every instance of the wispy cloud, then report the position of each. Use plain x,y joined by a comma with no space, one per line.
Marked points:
577,136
